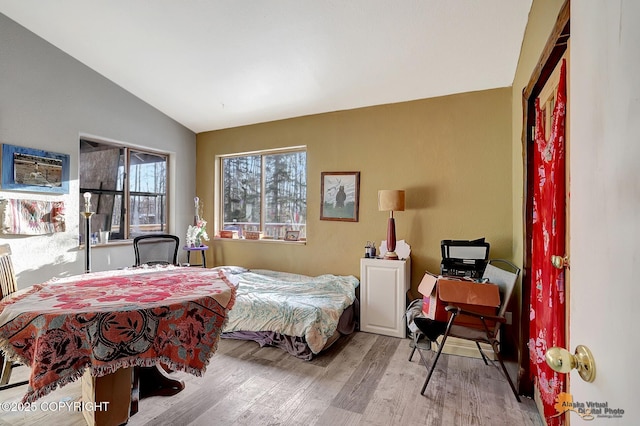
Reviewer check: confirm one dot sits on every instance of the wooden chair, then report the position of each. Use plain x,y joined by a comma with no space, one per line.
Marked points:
506,279
156,249
8,285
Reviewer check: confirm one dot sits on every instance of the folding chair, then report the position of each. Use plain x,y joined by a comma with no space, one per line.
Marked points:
505,279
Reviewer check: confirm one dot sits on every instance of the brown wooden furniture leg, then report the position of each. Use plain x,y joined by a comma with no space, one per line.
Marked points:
110,394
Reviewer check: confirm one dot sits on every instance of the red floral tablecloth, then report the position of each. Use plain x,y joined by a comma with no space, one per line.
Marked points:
108,320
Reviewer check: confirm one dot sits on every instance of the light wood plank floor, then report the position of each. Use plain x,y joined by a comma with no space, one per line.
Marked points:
363,379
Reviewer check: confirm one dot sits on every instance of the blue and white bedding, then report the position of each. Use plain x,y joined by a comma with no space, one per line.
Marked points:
289,304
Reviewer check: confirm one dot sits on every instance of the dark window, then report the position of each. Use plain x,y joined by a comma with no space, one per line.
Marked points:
117,177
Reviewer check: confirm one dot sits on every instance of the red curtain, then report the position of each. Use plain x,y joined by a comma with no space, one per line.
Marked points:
547,310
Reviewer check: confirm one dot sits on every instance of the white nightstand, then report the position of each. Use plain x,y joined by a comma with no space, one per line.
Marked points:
383,290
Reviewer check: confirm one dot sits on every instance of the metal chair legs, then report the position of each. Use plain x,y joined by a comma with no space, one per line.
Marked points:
494,345
435,360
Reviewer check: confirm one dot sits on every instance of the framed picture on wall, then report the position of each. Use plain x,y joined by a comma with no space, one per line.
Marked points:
340,196
34,170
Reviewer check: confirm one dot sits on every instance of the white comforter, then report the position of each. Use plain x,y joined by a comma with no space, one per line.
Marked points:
290,304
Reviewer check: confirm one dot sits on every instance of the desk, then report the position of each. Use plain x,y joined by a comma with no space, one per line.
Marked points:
105,321
201,249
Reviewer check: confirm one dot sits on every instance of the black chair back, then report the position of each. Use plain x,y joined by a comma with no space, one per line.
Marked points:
156,249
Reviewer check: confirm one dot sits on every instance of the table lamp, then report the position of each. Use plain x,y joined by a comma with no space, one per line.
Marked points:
391,200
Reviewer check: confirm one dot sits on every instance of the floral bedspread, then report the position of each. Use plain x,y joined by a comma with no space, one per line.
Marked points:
108,320
290,304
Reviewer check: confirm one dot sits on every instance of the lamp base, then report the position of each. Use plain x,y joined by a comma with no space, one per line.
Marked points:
391,255
391,240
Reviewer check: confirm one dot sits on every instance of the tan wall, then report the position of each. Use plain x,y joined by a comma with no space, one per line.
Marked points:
451,154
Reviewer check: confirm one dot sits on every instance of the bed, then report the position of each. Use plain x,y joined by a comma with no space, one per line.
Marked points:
300,314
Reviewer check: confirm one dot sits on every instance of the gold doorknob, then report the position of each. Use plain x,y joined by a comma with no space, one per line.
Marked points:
560,262
562,361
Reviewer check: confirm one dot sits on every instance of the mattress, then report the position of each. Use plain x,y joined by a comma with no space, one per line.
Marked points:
301,314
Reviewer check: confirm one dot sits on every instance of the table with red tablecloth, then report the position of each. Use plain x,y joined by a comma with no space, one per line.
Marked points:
104,321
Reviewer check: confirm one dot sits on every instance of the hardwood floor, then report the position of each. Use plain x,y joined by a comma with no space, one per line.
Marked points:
363,379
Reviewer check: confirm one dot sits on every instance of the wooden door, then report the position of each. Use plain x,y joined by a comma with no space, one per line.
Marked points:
605,204
548,301
545,291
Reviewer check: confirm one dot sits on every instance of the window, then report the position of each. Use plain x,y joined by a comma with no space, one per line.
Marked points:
266,192
117,177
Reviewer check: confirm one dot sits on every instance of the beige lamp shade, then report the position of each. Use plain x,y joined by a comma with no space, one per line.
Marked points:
391,200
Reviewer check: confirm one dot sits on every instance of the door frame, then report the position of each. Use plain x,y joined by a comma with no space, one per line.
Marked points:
552,53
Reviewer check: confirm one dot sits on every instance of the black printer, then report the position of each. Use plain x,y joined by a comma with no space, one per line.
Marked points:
464,258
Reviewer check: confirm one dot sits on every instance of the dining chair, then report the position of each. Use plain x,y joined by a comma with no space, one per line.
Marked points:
505,278
156,249
8,285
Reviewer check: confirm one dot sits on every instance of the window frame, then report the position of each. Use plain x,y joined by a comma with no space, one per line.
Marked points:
218,198
127,150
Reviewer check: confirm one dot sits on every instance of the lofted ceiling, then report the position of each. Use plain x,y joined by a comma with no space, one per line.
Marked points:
213,64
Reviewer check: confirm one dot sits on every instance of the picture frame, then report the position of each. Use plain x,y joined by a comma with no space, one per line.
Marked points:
292,236
340,196
34,170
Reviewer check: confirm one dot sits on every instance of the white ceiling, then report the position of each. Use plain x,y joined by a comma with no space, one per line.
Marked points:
212,64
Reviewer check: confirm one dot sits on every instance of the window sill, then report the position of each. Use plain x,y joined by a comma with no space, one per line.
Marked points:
264,240
112,243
